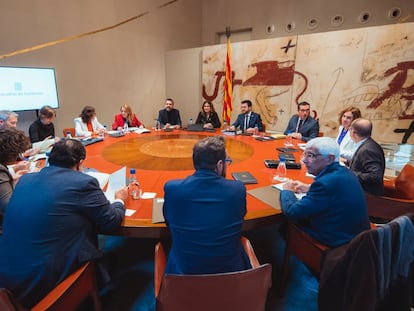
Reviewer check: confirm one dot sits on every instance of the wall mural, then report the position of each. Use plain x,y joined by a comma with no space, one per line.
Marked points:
371,68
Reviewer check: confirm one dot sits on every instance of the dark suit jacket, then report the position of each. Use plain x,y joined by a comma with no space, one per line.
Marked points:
39,131
309,129
204,213
50,230
172,117
213,119
255,120
335,198
368,164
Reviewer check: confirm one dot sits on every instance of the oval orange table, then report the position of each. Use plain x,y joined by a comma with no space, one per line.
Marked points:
162,156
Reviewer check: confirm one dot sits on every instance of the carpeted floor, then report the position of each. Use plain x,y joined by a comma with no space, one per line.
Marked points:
132,287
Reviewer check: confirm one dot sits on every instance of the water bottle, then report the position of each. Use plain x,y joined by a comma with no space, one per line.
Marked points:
288,141
68,135
190,121
281,168
47,157
134,188
102,132
125,126
224,125
256,131
157,125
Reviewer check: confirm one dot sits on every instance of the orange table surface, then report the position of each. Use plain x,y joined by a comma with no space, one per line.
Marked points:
140,223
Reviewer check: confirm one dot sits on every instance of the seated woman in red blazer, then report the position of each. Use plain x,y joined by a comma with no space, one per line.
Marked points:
128,116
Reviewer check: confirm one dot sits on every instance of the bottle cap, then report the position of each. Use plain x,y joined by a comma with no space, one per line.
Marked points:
132,171
282,158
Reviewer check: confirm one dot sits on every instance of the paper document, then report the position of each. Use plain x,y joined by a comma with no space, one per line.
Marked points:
116,182
143,130
44,145
101,177
280,187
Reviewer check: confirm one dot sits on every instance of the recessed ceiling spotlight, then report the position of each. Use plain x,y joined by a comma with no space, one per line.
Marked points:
394,13
313,23
270,29
337,20
364,17
290,26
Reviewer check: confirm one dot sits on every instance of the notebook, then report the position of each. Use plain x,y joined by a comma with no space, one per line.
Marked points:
244,177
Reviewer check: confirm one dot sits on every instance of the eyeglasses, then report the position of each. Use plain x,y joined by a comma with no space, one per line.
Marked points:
310,155
228,161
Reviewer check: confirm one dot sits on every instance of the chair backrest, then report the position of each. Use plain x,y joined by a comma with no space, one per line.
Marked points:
404,183
8,302
69,129
72,291
242,290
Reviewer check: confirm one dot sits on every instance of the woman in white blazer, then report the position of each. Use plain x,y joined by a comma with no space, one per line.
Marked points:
87,123
347,146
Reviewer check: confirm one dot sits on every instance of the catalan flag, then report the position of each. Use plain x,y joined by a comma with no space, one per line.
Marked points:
228,84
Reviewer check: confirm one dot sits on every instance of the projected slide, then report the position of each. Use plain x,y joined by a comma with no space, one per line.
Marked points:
23,88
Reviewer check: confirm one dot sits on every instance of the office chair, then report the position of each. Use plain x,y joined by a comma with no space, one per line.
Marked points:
241,290
67,295
69,129
398,198
305,248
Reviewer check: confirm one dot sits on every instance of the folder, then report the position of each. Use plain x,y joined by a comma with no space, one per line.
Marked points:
244,177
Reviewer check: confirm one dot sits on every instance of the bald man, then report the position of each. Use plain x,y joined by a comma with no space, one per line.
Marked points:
368,162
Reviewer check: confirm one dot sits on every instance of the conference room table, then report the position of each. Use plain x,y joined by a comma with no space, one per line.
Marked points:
161,156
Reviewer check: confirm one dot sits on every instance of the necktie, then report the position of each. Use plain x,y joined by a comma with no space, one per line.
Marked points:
299,125
246,122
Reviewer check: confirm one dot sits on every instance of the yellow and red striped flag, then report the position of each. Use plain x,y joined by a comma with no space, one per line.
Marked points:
228,84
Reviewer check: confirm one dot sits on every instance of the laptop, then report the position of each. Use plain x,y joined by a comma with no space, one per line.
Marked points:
195,128
244,177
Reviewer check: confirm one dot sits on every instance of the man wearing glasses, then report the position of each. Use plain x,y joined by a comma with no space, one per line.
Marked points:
204,213
302,125
334,209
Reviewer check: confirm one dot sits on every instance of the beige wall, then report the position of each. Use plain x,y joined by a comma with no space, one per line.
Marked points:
259,14
127,64
122,65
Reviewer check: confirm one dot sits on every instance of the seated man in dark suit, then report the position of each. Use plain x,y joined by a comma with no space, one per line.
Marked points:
50,228
204,213
334,209
368,161
169,117
302,125
248,119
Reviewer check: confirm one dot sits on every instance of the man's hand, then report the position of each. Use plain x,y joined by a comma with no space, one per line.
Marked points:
122,194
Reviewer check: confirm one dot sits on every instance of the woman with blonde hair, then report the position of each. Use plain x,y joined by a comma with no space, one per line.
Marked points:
346,144
128,117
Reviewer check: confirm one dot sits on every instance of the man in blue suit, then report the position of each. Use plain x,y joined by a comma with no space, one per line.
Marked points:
204,213
334,209
50,227
302,125
248,119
